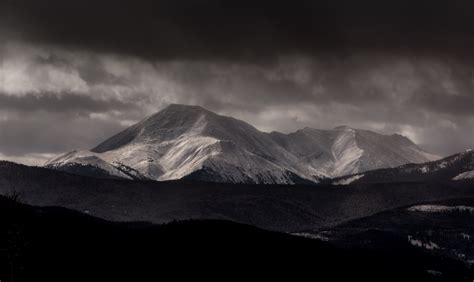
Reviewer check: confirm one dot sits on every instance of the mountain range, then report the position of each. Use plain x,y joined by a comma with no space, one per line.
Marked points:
190,142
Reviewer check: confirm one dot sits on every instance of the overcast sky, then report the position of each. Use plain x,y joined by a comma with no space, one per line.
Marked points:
74,72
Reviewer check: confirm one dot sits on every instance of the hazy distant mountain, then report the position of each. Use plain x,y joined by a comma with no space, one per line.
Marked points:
191,142
458,167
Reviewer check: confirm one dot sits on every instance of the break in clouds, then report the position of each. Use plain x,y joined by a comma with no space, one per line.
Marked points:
67,83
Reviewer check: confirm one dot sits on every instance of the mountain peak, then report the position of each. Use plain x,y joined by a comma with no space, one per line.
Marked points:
343,127
181,110
184,107
170,122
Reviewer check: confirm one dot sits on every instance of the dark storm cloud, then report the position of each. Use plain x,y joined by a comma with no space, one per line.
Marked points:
244,29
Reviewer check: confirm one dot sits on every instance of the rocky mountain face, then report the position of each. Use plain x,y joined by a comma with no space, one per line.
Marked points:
191,142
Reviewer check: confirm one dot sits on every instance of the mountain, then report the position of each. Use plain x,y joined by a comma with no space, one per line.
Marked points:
345,150
458,167
191,142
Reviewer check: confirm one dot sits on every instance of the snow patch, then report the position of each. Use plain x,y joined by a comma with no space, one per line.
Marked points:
440,208
434,272
464,175
466,236
349,180
424,169
418,243
316,236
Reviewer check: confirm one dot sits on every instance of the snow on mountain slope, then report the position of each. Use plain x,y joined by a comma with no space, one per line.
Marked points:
456,167
77,161
345,151
324,152
348,180
465,175
382,151
189,141
440,209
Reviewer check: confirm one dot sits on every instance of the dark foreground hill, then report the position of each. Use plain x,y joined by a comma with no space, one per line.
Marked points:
287,208
55,244
442,228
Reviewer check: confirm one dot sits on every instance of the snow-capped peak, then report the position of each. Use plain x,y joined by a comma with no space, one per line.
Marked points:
344,128
190,141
